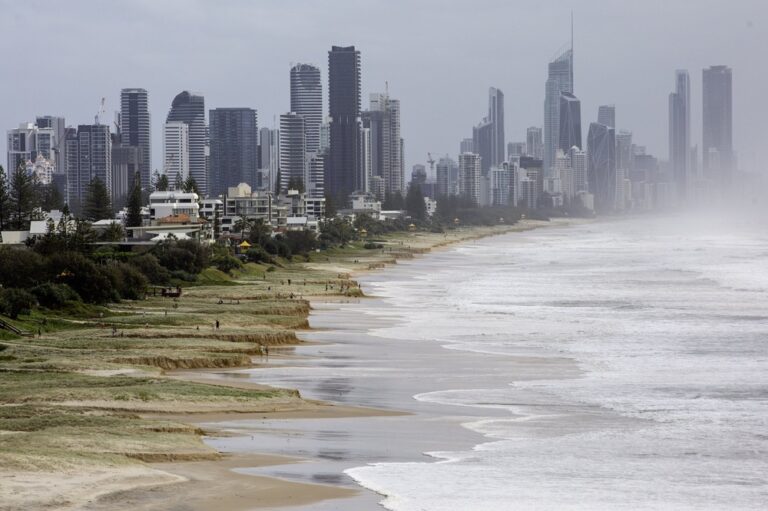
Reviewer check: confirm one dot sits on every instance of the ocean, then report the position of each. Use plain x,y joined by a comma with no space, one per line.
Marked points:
620,364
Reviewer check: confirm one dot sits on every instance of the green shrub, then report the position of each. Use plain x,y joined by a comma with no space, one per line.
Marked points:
21,268
151,268
258,255
54,296
82,275
227,263
14,301
127,281
183,275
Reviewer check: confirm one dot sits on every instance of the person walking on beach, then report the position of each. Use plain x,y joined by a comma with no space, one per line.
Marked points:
217,324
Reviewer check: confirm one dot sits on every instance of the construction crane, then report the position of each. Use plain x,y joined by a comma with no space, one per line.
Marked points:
431,162
100,111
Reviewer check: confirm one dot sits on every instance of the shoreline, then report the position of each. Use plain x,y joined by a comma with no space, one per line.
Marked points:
132,482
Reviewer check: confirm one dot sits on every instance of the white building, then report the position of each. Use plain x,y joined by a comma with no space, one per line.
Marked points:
28,141
176,151
42,169
179,207
365,202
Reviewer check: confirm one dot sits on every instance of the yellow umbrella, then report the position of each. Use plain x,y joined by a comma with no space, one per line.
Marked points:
244,244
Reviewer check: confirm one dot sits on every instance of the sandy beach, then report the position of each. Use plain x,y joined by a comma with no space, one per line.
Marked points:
205,477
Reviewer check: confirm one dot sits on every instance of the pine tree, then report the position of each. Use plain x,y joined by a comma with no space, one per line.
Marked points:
49,198
97,203
190,185
22,197
161,184
133,219
5,200
414,203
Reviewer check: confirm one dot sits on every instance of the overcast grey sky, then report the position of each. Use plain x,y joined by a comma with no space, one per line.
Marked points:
439,58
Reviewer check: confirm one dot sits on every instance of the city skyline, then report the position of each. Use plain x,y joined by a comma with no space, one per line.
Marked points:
427,127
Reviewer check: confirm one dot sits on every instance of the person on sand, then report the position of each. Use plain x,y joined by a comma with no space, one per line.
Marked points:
217,324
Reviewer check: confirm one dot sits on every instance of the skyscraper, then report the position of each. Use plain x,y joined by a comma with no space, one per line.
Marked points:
680,132
496,118
606,115
570,122
560,79
29,141
515,150
269,154
293,149
135,129
234,140
624,150
190,109
601,166
307,101
447,177
717,123
125,165
176,152
533,142
58,125
482,143
467,145
579,165
89,156
383,120
488,136
469,177
344,174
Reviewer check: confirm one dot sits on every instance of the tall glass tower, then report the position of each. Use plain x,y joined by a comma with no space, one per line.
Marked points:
680,132
190,109
717,123
307,101
135,129
559,80
343,174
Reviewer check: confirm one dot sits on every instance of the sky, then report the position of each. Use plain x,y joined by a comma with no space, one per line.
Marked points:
439,58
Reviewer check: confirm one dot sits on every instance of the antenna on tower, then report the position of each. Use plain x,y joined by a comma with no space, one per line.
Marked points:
572,87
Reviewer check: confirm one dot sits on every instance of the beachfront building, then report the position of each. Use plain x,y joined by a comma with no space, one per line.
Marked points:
179,207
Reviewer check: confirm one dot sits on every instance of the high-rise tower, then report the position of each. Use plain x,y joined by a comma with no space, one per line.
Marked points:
717,123
343,174
496,118
383,120
190,109
293,149
680,132
606,115
307,101
135,129
234,143
559,80
601,166
570,122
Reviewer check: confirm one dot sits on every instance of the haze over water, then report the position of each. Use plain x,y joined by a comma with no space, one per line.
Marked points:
670,328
